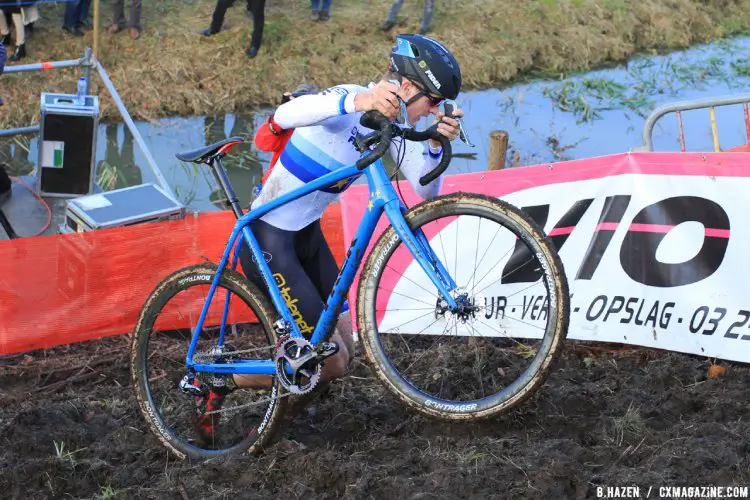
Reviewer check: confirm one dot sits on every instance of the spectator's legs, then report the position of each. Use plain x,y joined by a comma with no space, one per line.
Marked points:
258,9
118,16
84,7
397,4
219,12
324,8
20,52
390,22
30,15
72,11
135,14
4,28
429,9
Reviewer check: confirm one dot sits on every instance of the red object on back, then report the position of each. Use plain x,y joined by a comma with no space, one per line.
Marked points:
265,140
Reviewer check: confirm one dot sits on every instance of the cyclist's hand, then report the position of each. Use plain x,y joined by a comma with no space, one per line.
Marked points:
447,127
382,97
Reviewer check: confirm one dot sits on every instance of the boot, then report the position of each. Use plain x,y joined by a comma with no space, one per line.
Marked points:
209,31
19,54
5,39
387,25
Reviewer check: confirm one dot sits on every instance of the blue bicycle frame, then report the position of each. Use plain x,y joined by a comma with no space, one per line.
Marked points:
383,198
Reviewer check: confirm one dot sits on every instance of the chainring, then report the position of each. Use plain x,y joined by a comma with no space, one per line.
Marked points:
305,377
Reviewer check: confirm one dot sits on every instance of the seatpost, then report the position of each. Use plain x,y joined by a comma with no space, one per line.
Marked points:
234,203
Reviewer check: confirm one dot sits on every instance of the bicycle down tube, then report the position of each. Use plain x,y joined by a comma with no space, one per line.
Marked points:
383,198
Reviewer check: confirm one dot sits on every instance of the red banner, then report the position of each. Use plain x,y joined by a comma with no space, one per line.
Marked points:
68,288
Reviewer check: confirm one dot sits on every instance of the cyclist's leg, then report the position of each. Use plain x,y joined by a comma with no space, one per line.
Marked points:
299,291
321,267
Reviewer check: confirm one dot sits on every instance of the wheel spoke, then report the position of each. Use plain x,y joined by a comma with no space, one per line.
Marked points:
473,359
159,363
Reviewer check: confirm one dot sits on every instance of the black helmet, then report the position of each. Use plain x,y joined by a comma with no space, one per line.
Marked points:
427,62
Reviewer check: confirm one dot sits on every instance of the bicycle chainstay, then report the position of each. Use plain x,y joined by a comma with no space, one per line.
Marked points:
317,356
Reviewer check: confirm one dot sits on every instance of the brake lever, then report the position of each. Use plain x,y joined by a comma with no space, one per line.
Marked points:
449,107
402,118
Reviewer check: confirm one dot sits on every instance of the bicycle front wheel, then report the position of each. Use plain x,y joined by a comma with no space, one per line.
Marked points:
498,350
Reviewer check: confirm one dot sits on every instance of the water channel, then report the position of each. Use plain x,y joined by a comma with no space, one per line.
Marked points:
548,119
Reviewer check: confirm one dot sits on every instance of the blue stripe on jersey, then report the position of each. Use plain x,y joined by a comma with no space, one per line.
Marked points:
306,169
342,108
314,152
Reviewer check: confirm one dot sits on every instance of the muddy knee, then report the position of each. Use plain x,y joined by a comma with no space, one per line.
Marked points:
343,333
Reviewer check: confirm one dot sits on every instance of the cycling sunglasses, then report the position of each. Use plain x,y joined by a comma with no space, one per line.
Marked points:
434,101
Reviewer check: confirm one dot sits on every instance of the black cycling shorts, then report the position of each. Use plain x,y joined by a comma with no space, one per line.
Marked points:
302,264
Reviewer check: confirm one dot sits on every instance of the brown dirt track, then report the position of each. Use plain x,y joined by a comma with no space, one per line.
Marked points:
605,417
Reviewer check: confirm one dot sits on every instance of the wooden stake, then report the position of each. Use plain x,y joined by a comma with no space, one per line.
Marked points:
498,150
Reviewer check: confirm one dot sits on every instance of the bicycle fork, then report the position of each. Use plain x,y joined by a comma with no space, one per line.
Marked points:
420,248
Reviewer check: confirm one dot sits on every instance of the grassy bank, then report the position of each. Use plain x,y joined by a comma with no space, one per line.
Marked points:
174,71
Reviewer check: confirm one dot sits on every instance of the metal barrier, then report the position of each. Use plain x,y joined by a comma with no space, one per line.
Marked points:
88,61
678,107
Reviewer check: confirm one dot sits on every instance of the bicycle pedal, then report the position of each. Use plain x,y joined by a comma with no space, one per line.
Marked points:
327,349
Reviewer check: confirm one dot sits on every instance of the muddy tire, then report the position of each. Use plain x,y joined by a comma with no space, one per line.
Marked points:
552,334
257,302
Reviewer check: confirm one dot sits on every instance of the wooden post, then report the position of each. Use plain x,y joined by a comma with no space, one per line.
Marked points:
498,150
96,29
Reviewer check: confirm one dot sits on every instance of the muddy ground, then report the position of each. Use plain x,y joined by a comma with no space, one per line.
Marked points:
609,415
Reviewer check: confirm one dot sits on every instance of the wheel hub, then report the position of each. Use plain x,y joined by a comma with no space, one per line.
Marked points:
467,306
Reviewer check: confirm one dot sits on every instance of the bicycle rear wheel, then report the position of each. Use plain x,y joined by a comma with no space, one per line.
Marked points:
499,350
248,418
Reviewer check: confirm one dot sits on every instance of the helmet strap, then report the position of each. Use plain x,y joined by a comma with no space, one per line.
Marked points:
414,98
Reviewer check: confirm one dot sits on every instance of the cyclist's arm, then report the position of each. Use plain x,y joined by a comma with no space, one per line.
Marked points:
313,109
419,159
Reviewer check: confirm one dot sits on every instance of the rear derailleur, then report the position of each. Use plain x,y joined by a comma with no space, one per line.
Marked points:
218,354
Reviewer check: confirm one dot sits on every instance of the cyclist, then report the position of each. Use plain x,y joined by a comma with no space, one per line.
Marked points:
325,126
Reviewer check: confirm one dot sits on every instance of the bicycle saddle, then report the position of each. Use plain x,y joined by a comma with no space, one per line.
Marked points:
206,152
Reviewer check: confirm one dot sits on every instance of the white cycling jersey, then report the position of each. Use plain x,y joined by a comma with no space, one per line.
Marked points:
323,141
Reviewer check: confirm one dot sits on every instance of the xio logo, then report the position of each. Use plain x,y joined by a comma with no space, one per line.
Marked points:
638,250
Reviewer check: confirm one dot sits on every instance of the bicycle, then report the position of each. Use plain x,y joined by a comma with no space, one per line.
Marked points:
257,334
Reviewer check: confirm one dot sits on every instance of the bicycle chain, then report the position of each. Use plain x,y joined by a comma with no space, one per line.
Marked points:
243,351
247,405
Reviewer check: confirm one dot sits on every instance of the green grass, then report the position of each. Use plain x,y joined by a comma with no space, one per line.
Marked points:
174,71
